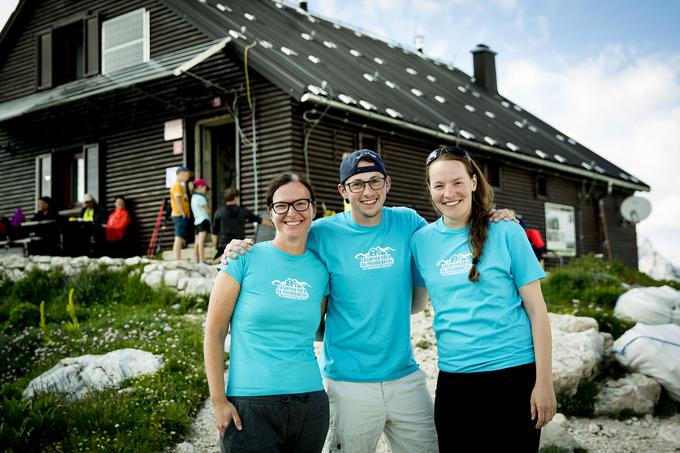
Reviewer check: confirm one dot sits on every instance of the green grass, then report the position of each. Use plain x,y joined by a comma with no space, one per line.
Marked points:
589,286
114,310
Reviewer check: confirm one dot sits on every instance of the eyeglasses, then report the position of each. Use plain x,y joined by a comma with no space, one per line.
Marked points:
452,150
359,186
301,205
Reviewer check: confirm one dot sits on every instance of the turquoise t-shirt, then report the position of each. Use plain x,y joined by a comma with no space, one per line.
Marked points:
274,323
479,326
198,203
368,319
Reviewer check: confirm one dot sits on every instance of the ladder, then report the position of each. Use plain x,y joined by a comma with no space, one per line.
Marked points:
151,252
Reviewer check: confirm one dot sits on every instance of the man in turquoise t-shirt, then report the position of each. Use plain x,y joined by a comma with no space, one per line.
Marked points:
374,384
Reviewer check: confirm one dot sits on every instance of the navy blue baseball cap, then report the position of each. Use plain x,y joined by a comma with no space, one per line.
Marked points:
181,169
350,164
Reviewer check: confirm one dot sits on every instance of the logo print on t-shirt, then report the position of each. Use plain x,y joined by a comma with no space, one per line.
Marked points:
376,258
459,263
291,288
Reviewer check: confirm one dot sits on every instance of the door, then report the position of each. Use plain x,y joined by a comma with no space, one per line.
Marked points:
217,156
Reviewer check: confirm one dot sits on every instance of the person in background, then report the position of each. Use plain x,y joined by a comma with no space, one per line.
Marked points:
45,210
18,218
535,239
201,212
179,200
116,225
273,301
92,212
230,221
49,232
491,322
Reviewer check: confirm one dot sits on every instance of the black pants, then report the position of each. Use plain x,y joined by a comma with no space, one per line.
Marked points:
296,423
487,411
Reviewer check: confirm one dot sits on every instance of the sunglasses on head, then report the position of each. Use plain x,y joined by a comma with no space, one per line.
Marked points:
452,150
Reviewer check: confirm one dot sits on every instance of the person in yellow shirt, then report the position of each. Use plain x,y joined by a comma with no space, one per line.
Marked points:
179,200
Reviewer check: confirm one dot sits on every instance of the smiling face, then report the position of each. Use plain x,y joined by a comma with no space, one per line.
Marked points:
451,189
366,204
293,224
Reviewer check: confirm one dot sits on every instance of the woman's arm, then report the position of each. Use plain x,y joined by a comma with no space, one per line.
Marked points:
543,404
220,309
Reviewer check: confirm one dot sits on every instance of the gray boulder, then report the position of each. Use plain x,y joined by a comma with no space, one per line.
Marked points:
556,434
77,376
635,392
578,349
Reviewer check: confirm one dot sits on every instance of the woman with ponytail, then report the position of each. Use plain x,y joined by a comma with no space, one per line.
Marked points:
491,322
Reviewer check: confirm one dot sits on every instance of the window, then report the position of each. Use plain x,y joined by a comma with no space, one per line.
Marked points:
369,142
560,229
68,61
68,52
492,173
541,186
125,41
43,172
68,174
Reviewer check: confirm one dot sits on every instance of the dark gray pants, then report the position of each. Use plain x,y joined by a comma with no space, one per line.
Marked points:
295,423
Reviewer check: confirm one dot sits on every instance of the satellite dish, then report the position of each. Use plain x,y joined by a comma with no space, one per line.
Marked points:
635,209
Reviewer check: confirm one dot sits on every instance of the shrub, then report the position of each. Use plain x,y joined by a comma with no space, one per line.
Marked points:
21,316
582,403
589,286
666,406
39,285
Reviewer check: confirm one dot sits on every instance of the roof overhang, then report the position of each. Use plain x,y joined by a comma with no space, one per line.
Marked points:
316,99
172,64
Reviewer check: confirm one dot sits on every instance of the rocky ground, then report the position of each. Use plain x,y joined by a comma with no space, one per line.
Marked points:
648,434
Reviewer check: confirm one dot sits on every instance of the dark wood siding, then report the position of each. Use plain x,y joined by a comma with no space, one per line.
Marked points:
18,67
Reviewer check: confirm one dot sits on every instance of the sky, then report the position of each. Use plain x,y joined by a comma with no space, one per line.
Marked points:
605,72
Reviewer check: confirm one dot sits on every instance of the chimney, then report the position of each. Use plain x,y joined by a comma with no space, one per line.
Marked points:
484,62
303,5
420,43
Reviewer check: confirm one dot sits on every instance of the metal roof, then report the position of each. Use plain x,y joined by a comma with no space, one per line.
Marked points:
169,64
317,60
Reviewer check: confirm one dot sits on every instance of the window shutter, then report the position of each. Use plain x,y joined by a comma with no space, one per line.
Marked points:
92,172
92,46
45,60
125,40
43,176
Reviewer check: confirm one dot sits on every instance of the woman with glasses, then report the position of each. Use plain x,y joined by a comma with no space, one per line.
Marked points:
491,322
272,300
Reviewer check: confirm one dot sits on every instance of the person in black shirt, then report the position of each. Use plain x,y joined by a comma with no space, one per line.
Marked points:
230,221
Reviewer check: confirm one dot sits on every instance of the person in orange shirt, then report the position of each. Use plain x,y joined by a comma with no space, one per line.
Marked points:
118,221
115,228
179,200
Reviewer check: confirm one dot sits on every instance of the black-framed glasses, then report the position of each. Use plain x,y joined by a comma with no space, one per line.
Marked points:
301,205
452,150
359,186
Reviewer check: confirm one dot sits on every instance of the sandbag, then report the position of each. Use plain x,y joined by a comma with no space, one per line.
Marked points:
654,351
650,305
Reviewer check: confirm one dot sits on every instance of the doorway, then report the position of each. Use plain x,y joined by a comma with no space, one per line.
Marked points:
216,156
